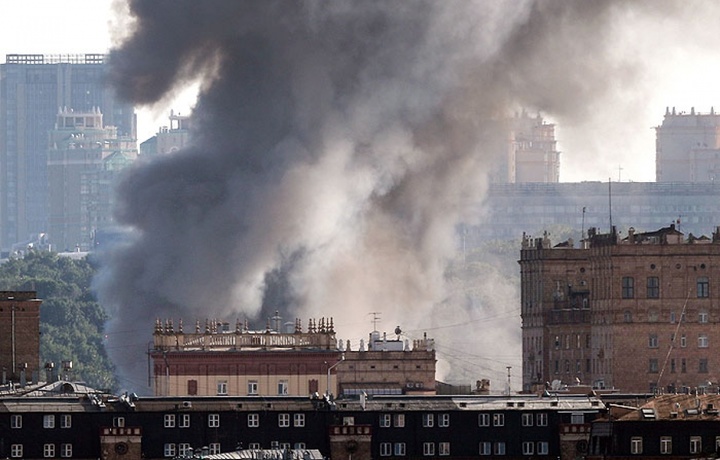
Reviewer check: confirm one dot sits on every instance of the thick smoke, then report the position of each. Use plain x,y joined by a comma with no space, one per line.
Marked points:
337,144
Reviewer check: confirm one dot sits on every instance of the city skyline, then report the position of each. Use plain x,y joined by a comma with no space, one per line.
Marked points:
660,61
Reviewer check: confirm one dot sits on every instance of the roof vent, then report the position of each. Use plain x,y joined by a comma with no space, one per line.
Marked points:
648,413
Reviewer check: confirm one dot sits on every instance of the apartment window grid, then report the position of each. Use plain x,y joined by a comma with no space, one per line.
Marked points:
703,366
253,420
652,341
66,450
483,419
300,445
254,446
222,388
48,450
527,419
252,387
428,449
636,445
399,449
577,418
48,421
385,420
16,450
283,420
703,341
214,448
683,365
542,448
653,287
213,420
666,445
444,420
399,420
500,448
65,421
169,450
282,387
428,420
653,366
528,448
184,421
485,448
385,449
118,422
498,419
444,448
541,419
703,317
183,449
628,287
299,420
703,287
683,341
717,443
16,421
695,444
169,421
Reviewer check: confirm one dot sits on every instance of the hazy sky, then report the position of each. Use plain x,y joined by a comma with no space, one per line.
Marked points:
678,57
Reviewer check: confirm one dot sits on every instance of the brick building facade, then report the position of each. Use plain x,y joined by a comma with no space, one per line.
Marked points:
19,335
636,314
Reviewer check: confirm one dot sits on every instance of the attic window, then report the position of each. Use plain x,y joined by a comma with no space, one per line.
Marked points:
511,404
648,413
692,412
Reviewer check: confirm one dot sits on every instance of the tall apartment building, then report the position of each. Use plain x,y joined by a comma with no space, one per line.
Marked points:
688,147
169,138
84,158
19,336
32,89
637,314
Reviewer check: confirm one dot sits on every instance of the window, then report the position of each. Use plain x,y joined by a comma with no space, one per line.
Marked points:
542,448
48,421
252,387
483,419
299,420
702,341
213,420
66,450
16,450
500,448
527,419
214,448
399,420
254,446
672,366
444,448
541,419
428,420
222,387
299,446
385,449
672,316
485,448
282,387
16,421
703,366
169,421
528,448
653,287
428,449
628,287
652,341
695,444
683,365
184,420
444,420
184,449
399,449
385,420
118,422
253,420
653,365
683,341
48,450
627,316
192,387
577,418
498,419
703,287
169,449
283,420
636,445
717,443
666,444
65,421
703,317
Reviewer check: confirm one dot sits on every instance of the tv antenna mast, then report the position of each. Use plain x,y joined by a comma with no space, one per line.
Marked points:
376,319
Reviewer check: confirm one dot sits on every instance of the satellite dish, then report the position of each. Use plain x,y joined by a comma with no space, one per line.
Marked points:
397,330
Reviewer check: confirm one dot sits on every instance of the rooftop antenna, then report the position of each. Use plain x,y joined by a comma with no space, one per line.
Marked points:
672,342
620,168
610,201
376,319
582,229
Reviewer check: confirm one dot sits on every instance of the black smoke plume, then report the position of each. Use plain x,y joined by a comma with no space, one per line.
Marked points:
336,146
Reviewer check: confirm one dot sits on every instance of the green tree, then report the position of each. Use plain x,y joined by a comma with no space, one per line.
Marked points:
71,319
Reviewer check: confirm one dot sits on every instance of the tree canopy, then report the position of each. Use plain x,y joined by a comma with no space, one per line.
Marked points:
71,319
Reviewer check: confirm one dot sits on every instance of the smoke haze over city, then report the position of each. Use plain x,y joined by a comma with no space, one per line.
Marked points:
336,147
